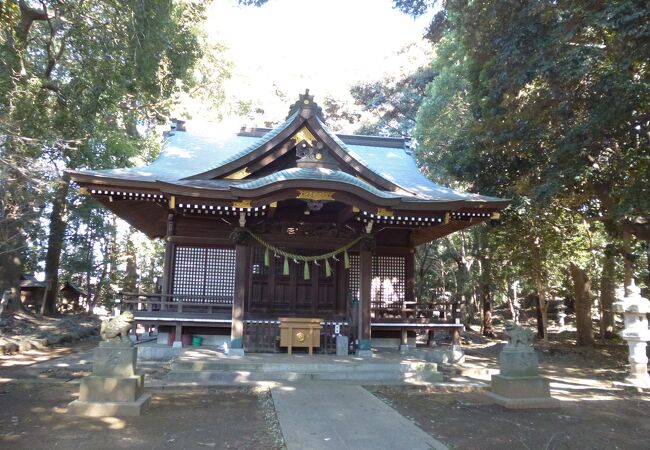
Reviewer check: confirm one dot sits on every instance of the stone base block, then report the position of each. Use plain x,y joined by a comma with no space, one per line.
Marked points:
106,409
95,388
391,342
634,383
404,348
364,353
522,392
155,353
519,363
427,372
524,403
342,343
235,351
115,361
442,355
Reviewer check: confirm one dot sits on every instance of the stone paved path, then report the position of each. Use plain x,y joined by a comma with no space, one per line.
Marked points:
326,415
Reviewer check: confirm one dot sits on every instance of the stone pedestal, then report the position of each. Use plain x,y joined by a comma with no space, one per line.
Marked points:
638,359
519,385
442,355
519,362
342,345
114,388
522,392
364,350
635,310
234,351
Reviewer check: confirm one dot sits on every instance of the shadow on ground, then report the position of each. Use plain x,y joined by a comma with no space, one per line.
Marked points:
469,420
35,417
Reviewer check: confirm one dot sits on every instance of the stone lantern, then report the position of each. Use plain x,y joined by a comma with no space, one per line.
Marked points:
635,309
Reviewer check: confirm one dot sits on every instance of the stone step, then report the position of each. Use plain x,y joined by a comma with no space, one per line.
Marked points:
181,364
234,377
471,372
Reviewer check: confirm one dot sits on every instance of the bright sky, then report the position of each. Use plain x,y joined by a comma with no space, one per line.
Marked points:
285,46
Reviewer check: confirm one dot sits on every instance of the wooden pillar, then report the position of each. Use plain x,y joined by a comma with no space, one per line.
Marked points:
409,296
404,341
168,276
168,265
455,336
365,281
242,256
178,333
431,339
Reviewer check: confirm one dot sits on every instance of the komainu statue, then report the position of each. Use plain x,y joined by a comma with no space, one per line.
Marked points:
118,326
518,335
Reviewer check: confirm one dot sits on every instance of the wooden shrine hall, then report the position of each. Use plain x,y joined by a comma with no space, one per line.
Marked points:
290,222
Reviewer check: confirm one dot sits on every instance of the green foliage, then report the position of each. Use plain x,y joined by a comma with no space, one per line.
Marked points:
84,85
393,102
545,103
556,99
414,8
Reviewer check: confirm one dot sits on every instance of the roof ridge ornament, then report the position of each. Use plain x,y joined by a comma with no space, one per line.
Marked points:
306,107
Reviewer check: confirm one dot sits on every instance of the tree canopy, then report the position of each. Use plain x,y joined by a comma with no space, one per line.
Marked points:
82,85
545,103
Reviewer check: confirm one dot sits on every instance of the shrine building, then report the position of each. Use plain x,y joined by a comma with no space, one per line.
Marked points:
290,222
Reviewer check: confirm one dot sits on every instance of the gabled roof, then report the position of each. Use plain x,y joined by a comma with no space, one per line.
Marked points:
299,159
73,288
375,163
29,281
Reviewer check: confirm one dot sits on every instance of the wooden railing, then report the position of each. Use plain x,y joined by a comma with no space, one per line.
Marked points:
443,312
263,336
177,303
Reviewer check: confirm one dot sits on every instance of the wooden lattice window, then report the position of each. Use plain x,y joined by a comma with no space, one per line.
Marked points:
257,263
354,283
388,279
204,272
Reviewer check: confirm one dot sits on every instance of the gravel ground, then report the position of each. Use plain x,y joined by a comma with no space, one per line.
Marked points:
34,417
469,420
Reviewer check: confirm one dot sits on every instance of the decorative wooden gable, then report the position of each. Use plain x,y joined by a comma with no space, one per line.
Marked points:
302,141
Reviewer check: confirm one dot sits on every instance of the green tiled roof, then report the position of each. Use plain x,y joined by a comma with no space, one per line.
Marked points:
297,173
186,154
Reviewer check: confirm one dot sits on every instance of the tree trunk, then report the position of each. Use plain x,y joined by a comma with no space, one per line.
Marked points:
11,249
540,318
513,301
607,293
109,252
487,317
486,293
12,235
539,278
647,280
628,268
582,286
58,222
130,283
424,265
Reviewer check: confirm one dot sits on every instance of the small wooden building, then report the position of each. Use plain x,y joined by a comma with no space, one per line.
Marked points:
32,292
294,221
70,297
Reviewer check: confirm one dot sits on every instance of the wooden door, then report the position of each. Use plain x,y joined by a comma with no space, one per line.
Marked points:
278,294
